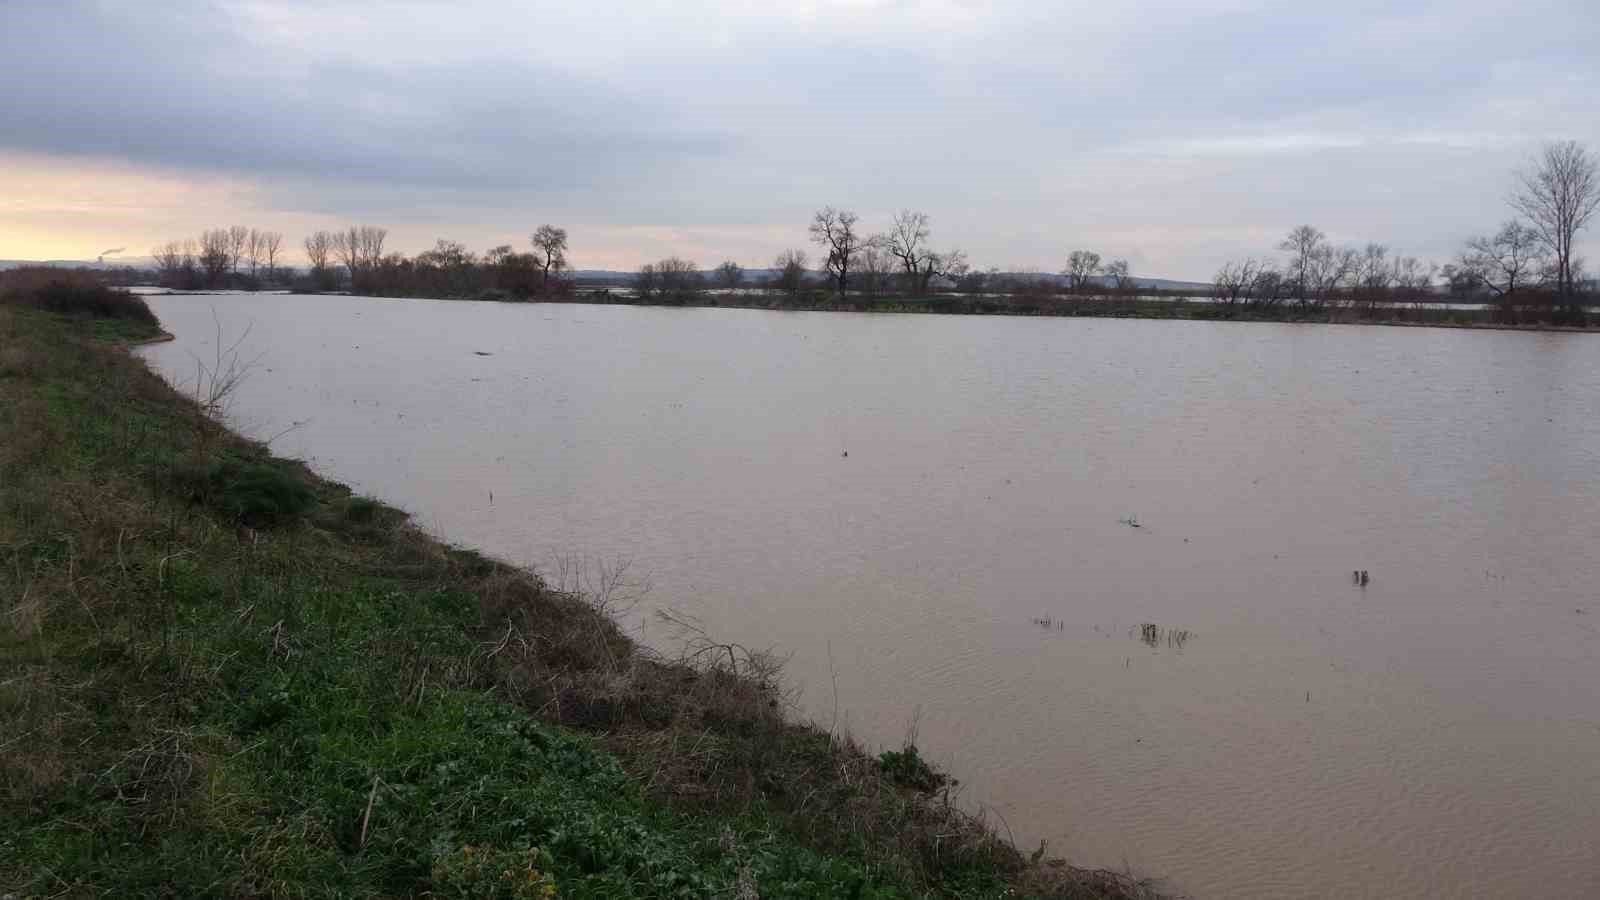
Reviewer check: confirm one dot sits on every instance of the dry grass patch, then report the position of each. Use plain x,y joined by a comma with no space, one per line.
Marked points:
33,758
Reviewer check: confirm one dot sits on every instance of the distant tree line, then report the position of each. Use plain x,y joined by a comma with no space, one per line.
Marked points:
220,257
897,261
1319,276
1527,268
354,259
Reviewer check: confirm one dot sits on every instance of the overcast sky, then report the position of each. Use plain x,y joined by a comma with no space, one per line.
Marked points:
1173,134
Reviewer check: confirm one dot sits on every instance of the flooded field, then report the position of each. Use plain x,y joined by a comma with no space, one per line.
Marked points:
1110,570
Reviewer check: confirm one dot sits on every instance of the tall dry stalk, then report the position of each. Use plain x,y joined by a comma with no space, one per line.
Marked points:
214,385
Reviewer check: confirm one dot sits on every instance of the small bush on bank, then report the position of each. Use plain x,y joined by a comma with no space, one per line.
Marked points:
907,768
362,510
361,519
75,296
257,494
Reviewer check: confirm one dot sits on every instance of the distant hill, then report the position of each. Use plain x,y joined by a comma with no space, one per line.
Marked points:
120,262
596,276
1154,284
1168,284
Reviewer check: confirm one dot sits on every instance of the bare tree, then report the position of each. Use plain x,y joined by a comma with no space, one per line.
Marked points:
1304,244
730,275
1459,278
1081,269
876,264
371,241
359,248
238,241
791,268
1330,270
447,255
1121,276
647,282
953,264
1232,283
271,246
1412,279
834,230
512,271
551,242
1374,271
1559,193
319,247
1506,263
1269,289
215,249
944,264
252,250
671,280
1372,276
449,270
346,247
169,260
907,241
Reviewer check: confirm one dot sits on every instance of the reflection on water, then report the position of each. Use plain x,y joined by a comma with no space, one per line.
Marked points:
910,491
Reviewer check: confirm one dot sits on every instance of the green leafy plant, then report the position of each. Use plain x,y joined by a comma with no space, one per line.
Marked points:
907,768
254,493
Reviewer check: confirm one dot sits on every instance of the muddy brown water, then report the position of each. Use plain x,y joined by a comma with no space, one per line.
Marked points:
932,515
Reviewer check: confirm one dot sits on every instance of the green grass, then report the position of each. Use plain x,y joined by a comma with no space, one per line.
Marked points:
262,780
253,492
108,312
130,331
223,676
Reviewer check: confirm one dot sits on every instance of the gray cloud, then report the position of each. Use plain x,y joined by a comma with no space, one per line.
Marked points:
199,92
1174,137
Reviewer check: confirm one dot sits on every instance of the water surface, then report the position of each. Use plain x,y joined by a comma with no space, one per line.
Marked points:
931,514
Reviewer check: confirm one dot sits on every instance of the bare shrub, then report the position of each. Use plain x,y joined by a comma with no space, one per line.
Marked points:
610,587
215,382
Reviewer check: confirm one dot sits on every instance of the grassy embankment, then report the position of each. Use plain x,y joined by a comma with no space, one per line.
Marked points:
221,675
